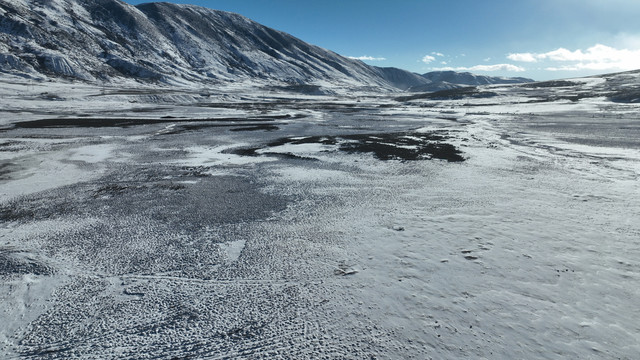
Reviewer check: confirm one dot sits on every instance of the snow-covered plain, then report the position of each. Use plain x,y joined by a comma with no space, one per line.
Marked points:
261,224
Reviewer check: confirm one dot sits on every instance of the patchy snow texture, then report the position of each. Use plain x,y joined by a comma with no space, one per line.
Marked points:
143,222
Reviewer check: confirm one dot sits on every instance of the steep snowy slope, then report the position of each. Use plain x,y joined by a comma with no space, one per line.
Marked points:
177,44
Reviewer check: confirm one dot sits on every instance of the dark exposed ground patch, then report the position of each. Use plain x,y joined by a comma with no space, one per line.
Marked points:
290,156
190,206
386,146
10,146
115,189
185,197
550,84
32,208
266,127
629,96
213,200
144,219
294,104
6,169
17,262
451,94
307,89
404,147
201,126
128,122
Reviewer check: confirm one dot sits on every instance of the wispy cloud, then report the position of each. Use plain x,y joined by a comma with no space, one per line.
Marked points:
486,68
597,57
428,58
435,53
367,58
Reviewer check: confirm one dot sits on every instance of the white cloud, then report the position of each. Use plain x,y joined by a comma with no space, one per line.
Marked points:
597,57
497,67
563,68
437,54
367,58
524,57
486,68
427,59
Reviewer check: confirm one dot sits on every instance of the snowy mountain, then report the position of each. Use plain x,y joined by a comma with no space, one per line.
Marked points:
467,78
445,80
106,40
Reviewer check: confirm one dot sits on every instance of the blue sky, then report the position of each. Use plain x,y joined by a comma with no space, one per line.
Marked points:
541,39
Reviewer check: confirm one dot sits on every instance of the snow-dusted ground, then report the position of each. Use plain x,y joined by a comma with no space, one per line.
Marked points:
266,226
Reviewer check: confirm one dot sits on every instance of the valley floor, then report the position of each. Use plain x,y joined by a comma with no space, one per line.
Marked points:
292,226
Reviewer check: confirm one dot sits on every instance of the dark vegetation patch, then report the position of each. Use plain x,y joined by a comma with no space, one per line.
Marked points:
403,146
451,94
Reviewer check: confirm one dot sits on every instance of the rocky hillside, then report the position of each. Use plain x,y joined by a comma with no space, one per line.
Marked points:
108,40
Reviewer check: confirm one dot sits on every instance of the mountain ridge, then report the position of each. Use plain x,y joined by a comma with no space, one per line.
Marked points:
178,44
449,79
104,40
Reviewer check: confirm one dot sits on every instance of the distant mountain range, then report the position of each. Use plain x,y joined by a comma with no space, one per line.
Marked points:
108,40
445,80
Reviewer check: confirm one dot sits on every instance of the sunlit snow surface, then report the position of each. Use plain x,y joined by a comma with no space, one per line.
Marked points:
270,226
